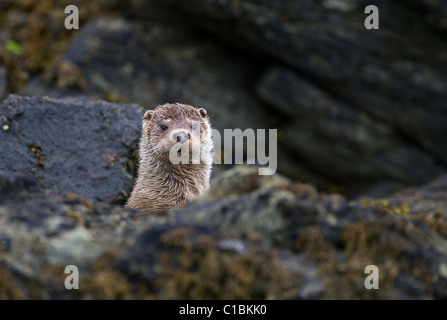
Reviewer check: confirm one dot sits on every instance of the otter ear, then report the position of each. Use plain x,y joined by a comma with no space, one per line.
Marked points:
148,115
203,112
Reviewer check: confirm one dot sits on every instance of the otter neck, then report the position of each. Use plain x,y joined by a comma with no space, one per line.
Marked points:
181,182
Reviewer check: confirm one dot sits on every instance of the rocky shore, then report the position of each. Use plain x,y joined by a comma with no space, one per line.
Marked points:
362,149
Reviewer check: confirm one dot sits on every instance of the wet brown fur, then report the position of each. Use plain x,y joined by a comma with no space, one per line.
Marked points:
161,184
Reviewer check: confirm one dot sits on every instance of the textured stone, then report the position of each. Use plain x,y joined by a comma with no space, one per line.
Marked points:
364,152
249,237
71,145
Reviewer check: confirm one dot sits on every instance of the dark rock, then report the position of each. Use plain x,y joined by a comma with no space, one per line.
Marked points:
37,87
363,150
11,184
71,145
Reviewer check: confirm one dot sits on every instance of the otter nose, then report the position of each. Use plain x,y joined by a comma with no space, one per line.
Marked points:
181,136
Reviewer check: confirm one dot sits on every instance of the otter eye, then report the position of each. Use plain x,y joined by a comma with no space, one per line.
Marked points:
164,128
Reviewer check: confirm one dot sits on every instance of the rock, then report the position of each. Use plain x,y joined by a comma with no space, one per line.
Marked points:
122,255
191,261
37,87
341,237
363,151
427,198
42,233
249,237
71,145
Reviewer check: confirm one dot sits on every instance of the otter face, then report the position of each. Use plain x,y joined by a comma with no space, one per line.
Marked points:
174,128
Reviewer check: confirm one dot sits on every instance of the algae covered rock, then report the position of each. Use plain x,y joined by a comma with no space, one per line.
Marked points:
341,237
123,255
275,239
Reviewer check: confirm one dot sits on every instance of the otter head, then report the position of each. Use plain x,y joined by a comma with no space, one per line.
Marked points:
171,129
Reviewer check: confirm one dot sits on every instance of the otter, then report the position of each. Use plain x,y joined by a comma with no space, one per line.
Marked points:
162,184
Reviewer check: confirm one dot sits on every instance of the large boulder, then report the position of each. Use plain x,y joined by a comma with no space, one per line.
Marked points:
71,145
